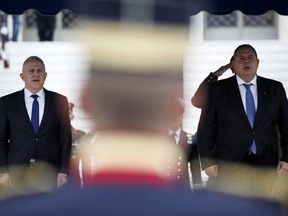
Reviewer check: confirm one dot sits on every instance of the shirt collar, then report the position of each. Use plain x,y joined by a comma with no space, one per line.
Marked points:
176,132
27,93
241,82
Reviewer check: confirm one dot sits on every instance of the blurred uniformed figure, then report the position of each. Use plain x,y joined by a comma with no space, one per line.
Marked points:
188,163
88,162
130,96
75,174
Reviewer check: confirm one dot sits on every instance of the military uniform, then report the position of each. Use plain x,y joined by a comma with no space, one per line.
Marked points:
74,175
181,166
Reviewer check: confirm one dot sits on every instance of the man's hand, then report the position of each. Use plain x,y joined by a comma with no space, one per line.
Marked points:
5,180
212,171
282,168
221,70
61,179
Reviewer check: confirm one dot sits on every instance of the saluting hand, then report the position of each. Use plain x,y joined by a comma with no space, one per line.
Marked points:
222,69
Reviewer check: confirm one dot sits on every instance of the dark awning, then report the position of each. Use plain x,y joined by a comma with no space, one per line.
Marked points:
188,7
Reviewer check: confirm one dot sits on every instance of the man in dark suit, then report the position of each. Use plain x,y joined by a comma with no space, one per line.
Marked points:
25,146
188,163
227,134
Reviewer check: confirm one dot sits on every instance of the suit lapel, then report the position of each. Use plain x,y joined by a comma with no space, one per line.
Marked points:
23,110
236,99
262,93
47,110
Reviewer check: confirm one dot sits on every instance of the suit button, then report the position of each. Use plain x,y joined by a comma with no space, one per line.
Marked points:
253,132
36,139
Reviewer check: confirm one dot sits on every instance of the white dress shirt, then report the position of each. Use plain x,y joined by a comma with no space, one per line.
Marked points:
253,88
29,101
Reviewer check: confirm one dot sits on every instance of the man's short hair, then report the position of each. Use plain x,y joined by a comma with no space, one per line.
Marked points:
31,59
248,46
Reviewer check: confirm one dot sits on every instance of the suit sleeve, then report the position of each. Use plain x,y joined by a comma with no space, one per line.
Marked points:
200,97
4,136
283,125
65,137
195,167
206,130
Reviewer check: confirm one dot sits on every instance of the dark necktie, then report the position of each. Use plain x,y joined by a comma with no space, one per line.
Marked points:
250,111
173,137
35,114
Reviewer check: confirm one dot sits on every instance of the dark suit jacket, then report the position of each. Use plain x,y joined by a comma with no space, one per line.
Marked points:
224,132
18,142
200,96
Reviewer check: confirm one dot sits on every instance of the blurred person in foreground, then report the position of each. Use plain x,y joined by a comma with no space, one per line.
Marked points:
35,135
132,146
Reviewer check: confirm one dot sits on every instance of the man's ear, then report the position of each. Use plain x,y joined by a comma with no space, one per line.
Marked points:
22,76
258,62
45,76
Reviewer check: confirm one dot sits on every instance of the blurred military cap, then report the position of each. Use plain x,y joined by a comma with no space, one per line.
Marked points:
133,36
134,48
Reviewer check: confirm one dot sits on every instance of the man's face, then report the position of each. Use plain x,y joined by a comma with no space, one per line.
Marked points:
71,114
34,76
245,64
